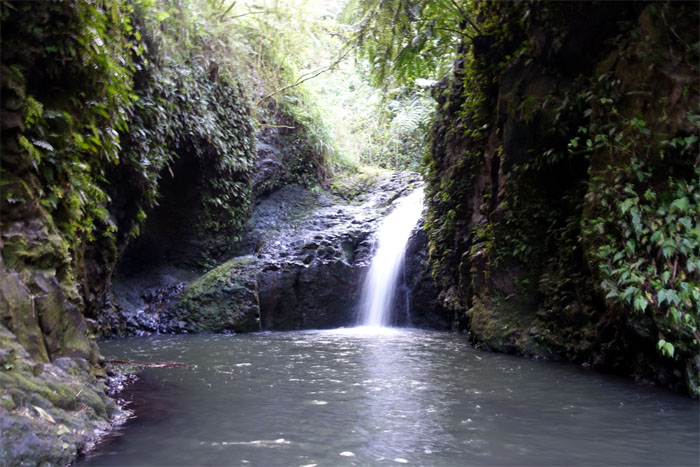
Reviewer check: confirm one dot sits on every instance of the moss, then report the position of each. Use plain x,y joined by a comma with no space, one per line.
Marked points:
18,311
350,185
217,277
64,395
72,409
7,402
526,146
224,299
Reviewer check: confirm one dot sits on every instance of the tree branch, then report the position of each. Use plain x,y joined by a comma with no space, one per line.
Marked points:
460,33
306,77
459,8
150,364
252,13
230,7
465,16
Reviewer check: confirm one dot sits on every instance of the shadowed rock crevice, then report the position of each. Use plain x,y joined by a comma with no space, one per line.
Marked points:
170,234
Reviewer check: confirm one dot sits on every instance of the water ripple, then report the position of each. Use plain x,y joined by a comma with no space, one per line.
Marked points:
369,395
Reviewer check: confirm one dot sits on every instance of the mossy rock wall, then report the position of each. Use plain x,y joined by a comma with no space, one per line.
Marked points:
560,146
90,135
49,412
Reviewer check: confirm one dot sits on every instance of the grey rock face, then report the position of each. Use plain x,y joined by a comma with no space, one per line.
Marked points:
301,265
419,293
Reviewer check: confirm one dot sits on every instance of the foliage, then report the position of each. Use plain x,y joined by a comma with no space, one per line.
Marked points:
643,227
371,127
404,47
646,230
181,100
399,139
191,104
650,256
71,127
296,54
405,40
279,44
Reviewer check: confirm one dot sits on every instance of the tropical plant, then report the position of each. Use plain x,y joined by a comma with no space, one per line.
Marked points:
405,40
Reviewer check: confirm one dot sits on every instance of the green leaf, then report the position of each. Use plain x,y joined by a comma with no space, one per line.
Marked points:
681,204
627,294
640,303
162,16
625,205
665,347
668,349
672,297
612,294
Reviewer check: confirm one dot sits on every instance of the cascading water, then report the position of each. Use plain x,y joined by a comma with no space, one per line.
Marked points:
392,237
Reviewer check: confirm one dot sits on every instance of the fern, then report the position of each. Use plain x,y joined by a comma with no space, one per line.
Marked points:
405,40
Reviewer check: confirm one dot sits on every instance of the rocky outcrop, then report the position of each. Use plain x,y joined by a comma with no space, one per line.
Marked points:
418,291
552,172
301,265
49,412
42,317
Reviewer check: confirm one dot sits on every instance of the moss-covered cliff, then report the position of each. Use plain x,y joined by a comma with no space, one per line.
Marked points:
564,185
98,113
124,124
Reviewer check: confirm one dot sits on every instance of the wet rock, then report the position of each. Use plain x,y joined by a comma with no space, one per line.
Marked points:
10,120
300,266
49,412
279,300
17,310
224,299
423,310
42,317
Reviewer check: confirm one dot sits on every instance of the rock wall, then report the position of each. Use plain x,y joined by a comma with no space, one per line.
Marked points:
301,265
562,143
91,136
418,292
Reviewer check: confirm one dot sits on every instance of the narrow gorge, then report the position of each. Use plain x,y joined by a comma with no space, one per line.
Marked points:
349,232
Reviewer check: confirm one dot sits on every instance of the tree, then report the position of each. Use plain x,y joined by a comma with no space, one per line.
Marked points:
405,40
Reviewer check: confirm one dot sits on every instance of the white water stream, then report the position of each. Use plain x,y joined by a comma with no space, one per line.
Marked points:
392,237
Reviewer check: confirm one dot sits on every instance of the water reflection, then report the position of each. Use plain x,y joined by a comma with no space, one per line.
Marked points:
374,397
398,409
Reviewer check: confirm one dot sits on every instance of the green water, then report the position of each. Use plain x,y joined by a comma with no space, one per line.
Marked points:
349,397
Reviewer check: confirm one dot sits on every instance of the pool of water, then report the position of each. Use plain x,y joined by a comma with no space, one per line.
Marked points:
360,397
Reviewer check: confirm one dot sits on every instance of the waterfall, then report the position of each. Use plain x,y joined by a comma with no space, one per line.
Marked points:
392,237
